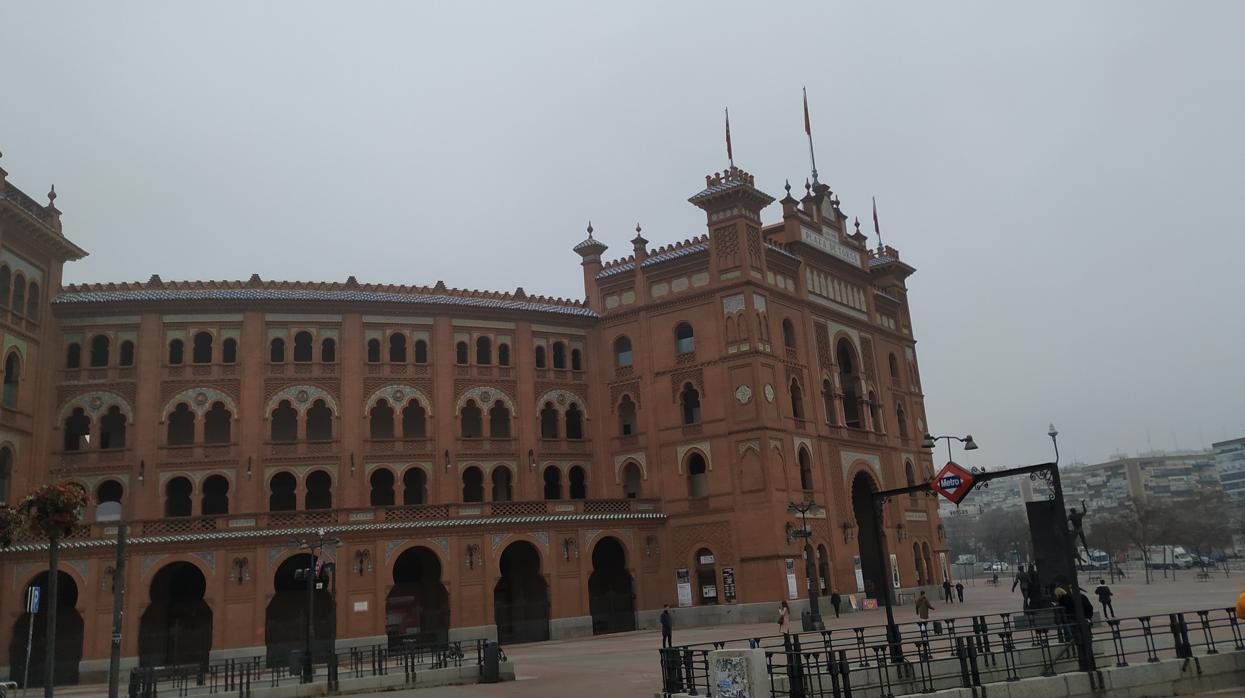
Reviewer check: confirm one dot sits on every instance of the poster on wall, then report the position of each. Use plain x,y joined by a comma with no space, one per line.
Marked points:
942,561
792,591
728,584
894,571
683,580
860,575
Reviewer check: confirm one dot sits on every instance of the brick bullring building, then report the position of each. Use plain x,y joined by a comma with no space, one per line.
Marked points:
493,464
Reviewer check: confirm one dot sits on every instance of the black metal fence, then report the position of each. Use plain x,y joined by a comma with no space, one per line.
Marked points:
241,676
958,652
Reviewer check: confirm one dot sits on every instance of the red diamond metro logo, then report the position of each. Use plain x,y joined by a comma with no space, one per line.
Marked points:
952,482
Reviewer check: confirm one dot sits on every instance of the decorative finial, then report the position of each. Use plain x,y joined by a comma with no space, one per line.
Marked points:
637,228
787,186
858,225
52,195
807,187
589,229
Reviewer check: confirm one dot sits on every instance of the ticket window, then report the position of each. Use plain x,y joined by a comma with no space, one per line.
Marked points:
706,578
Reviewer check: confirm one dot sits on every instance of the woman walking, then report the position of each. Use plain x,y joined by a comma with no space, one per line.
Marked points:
784,619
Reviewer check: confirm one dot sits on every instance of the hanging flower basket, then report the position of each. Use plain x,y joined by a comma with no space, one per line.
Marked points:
10,525
54,508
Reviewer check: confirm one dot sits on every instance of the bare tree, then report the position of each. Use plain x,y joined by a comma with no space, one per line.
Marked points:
1145,523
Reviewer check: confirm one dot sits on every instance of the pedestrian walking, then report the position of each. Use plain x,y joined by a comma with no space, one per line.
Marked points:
1104,599
995,580
923,608
959,591
667,627
946,591
784,619
836,601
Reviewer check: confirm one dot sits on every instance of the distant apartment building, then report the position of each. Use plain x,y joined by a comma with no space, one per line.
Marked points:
1230,462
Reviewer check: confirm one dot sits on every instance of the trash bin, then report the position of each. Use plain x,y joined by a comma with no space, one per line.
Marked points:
806,619
489,670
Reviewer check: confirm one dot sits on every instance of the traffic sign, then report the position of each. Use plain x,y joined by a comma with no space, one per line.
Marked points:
32,599
952,482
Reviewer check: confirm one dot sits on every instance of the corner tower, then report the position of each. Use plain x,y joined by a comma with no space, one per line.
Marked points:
732,205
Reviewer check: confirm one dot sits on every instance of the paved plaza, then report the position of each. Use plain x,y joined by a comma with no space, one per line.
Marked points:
625,665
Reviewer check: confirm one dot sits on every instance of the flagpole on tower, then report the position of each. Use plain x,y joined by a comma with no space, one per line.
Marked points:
729,154
808,129
877,228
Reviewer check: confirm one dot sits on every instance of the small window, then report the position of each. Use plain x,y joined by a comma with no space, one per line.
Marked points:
806,471
284,423
499,421
328,351
181,426
553,483
622,352
577,360
421,351
6,472
414,486
382,487
202,351
19,293
107,500
73,354
127,353
381,422
903,421
414,421
697,478
277,353
32,301
797,400
460,354
788,334
578,480
100,346
282,495
373,351
574,422
632,479
112,428
177,497
217,424
397,348
626,416
229,351
548,422
77,430
302,347
471,419
540,357
319,491
176,351
684,340
319,422
503,354
484,351
6,285
473,485
559,355
215,501
12,373
502,491
894,364
690,398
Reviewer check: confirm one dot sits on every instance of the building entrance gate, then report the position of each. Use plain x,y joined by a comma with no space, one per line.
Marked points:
68,635
418,606
611,598
176,628
285,622
521,597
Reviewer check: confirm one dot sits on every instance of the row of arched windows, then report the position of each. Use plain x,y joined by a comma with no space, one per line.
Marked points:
18,294
100,353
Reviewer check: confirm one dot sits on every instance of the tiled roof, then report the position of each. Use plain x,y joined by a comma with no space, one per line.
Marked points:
286,533
111,293
666,256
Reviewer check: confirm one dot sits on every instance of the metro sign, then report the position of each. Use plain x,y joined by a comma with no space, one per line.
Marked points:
952,482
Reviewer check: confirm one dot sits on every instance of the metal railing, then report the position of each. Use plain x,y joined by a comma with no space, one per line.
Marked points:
955,652
241,676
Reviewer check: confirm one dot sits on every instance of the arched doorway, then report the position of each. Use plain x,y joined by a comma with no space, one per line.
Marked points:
521,597
931,578
611,600
176,628
68,635
285,621
871,566
918,564
418,606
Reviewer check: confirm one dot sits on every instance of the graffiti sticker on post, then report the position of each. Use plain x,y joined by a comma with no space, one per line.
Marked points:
952,482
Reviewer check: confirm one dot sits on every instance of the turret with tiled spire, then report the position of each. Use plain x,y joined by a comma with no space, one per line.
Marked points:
591,250
732,206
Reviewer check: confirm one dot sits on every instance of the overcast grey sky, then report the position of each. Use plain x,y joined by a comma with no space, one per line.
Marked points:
1064,176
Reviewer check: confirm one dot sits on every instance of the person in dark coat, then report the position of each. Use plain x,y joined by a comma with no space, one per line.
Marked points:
1104,599
959,591
946,591
667,626
836,601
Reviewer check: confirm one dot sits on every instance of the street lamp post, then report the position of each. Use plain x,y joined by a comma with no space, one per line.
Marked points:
804,534
313,543
1086,653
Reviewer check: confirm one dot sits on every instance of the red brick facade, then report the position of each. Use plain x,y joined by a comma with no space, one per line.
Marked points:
492,463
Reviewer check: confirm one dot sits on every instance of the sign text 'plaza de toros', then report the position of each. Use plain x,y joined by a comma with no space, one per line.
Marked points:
494,464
